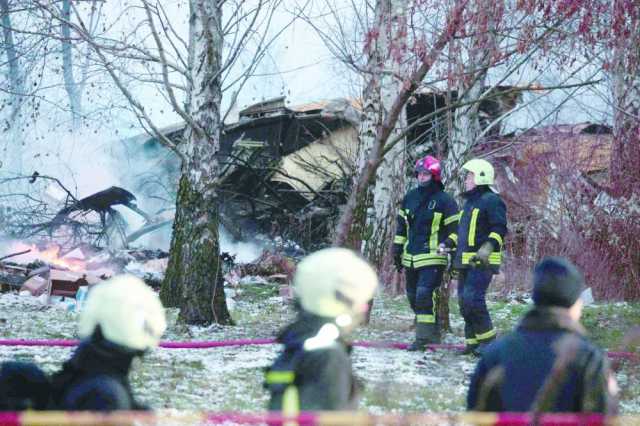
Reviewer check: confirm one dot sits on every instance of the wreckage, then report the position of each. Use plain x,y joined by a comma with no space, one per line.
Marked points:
287,169
47,271
40,207
101,202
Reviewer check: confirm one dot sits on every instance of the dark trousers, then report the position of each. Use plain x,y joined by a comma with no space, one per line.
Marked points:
422,291
472,289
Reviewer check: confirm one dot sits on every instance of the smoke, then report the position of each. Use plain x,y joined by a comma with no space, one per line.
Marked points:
244,251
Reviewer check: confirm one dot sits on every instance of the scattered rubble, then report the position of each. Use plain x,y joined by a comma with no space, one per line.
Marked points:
43,271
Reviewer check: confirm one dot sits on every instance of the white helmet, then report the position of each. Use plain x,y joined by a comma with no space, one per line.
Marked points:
333,282
128,312
483,173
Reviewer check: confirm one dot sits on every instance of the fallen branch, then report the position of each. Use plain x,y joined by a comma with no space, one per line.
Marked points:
14,254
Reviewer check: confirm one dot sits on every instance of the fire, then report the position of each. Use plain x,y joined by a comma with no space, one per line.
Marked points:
50,255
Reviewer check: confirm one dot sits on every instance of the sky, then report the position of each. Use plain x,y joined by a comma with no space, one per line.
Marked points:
299,66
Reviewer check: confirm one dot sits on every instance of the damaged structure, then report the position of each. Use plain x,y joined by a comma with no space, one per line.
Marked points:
554,180
287,169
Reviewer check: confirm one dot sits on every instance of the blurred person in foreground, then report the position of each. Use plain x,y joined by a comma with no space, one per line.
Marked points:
123,319
547,364
332,288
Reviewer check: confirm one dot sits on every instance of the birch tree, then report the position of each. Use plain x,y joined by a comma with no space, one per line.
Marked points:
625,72
70,84
194,272
16,90
475,58
388,51
15,73
427,53
193,85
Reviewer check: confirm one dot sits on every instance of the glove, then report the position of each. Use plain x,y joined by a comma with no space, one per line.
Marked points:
481,258
446,246
397,256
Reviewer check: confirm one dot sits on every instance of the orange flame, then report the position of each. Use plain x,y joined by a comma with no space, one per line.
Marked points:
51,255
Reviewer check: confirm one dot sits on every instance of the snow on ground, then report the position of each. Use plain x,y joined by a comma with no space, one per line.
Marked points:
231,378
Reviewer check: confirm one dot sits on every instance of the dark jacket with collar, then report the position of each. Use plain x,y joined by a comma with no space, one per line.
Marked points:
428,216
514,369
483,218
317,376
95,378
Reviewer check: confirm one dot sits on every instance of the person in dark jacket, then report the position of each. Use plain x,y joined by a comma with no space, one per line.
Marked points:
427,217
23,386
122,319
478,241
547,364
332,288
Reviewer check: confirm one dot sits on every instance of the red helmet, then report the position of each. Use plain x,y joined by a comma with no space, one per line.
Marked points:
429,164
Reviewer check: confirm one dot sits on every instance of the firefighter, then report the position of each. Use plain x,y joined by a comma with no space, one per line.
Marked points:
428,215
122,319
547,364
332,288
478,241
23,386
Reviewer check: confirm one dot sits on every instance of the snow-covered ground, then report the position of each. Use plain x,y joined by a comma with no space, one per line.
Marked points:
231,378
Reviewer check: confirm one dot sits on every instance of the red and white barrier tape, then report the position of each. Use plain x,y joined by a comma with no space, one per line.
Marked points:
251,342
321,418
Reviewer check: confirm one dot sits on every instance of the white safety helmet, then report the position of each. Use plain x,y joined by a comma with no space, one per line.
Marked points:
335,282
483,173
128,312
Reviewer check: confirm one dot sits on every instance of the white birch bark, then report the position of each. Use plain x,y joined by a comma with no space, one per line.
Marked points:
625,161
70,85
466,122
17,93
194,271
388,188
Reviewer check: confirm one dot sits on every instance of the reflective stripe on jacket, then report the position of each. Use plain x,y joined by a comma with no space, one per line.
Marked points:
483,218
310,378
428,216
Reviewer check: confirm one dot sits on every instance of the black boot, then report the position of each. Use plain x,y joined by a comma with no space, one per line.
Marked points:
470,349
426,334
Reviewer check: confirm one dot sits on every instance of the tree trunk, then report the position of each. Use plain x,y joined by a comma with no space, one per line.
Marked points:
366,173
15,75
473,69
16,86
374,223
193,281
625,159
466,129
70,84
389,183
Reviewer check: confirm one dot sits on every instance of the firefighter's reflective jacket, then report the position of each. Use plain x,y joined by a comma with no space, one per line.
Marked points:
314,370
427,217
483,218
